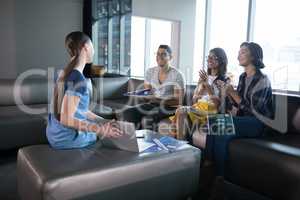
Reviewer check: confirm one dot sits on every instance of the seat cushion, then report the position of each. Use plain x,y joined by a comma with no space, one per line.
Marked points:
10,112
110,108
18,128
269,166
109,88
118,104
101,173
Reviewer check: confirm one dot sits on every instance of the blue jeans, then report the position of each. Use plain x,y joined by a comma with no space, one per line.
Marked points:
217,145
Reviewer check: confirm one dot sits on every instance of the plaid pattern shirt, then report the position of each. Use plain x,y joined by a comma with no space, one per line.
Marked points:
258,96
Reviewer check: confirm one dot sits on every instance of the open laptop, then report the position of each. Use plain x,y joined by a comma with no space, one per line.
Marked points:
128,141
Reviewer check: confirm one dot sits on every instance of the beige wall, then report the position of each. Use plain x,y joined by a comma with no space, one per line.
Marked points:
32,33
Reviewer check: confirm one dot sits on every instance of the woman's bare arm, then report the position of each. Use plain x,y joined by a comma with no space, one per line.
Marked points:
67,118
69,106
94,117
233,94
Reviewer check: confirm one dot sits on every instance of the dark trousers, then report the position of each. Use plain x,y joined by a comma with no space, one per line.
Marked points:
217,145
150,113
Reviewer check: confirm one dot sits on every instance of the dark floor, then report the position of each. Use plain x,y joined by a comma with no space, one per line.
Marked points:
8,178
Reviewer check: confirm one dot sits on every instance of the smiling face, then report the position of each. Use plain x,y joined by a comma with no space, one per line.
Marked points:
244,56
162,57
212,61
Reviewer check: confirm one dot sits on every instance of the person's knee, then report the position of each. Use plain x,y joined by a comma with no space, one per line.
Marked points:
182,110
199,139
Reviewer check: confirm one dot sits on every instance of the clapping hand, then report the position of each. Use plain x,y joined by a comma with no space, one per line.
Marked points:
203,77
223,86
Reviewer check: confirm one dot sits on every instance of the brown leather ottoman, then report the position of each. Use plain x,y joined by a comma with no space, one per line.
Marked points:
101,173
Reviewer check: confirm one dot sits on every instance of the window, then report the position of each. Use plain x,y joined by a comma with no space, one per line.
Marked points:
227,28
199,40
272,24
278,33
137,48
160,33
147,35
226,24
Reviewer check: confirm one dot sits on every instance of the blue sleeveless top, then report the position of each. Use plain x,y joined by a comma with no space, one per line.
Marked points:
61,136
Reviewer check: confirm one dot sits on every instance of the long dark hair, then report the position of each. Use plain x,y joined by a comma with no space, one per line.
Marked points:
222,60
74,42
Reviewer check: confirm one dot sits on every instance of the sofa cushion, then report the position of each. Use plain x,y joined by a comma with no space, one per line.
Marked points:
109,88
269,167
30,91
110,108
18,128
9,112
108,95
101,173
23,112
22,131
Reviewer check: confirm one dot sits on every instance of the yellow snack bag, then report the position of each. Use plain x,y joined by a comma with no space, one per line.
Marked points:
204,107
